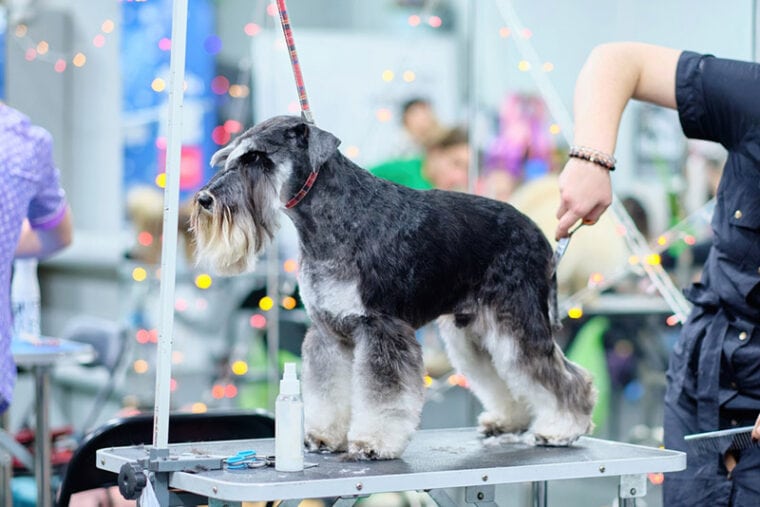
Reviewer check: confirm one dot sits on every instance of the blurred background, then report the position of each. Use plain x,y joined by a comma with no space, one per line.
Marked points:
396,81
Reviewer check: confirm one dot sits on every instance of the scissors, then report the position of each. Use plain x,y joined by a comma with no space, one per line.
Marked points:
562,246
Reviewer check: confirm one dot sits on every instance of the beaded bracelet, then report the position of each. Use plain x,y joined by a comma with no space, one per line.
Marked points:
594,156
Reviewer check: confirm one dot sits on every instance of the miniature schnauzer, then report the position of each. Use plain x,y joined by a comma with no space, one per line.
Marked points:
378,261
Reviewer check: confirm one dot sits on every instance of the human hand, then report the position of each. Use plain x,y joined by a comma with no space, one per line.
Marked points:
756,429
585,192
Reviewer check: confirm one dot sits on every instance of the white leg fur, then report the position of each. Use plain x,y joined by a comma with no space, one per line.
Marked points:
553,424
384,416
326,381
503,413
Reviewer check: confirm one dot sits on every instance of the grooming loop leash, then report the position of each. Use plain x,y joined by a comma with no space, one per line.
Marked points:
302,97
294,63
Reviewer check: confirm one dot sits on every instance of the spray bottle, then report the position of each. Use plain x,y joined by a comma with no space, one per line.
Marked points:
25,299
288,417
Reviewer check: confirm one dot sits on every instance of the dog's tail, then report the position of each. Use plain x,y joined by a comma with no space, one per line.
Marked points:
554,320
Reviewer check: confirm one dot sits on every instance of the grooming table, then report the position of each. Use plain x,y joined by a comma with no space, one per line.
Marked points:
435,459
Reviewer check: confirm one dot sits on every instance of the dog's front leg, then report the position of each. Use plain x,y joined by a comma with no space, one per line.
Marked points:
388,391
327,383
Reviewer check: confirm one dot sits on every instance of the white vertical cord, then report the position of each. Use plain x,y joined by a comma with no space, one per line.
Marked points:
171,213
636,242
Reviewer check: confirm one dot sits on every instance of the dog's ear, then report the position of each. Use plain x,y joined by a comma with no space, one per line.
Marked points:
321,144
220,157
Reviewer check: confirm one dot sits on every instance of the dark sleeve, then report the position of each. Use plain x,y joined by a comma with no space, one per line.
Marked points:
718,99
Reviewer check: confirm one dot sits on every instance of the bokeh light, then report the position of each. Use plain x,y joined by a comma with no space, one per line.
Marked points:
290,266
220,85
161,180
212,44
172,385
220,135
230,390
139,274
198,408
42,47
238,91
142,336
388,75
526,33
107,26
30,54
99,40
548,66
239,367
633,260
289,302
177,356
409,76
384,114
272,9
654,259
21,30
428,380
217,392
414,20
165,44
523,66
554,129
435,21
258,321
203,281
672,320
504,32
60,65
251,29
352,151
158,85
575,312
140,366
180,304
145,238
233,126
690,240
266,303
79,60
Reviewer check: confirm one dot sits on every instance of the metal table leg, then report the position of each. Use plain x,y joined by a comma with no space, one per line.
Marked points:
6,474
540,494
631,487
42,446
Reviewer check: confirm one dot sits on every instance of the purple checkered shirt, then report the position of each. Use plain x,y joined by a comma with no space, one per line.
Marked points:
30,188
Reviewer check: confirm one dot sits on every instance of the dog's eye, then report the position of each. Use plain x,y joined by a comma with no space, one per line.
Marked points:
252,157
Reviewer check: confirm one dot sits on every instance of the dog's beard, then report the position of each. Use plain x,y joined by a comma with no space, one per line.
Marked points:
229,244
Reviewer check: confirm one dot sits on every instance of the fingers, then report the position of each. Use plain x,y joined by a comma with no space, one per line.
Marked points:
756,429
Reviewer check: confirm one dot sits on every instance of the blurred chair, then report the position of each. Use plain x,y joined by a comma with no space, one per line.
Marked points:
82,474
109,340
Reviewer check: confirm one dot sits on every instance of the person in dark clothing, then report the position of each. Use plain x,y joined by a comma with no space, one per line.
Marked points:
714,370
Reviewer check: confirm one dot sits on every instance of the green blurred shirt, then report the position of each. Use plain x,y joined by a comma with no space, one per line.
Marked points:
407,172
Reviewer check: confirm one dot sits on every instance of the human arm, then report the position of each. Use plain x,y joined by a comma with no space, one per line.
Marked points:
44,242
612,75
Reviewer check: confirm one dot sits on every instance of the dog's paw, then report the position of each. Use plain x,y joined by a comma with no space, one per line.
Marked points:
364,451
491,425
554,441
561,430
320,443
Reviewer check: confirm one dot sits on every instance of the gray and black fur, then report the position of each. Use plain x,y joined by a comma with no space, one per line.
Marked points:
379,260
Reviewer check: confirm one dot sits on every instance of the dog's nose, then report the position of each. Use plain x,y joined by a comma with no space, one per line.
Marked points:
205,200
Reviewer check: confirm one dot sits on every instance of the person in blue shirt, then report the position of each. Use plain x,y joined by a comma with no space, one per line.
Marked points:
714,371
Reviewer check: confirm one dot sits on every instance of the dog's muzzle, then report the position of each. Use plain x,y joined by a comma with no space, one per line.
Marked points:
205,200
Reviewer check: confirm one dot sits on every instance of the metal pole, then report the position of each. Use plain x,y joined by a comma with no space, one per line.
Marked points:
540,492
473,172
42,447
169,247
273,324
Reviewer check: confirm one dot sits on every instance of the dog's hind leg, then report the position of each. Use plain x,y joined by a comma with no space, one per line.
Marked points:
388,391
326,383
503,413
560,394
